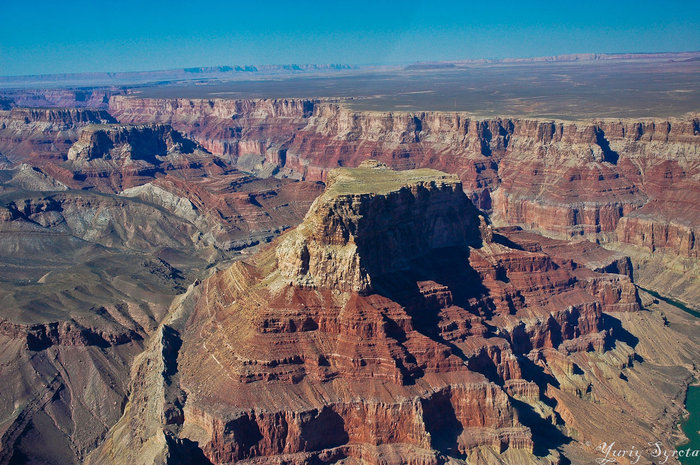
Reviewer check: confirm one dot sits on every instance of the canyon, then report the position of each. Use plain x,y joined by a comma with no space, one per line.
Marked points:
381,308
278,280
627,183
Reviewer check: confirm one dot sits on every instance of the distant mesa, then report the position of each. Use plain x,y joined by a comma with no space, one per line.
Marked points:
143,142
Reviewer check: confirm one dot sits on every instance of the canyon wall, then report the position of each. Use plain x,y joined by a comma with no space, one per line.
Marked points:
567,179
462,348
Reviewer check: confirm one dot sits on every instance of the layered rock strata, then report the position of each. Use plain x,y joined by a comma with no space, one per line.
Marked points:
371,314
563,178
41,135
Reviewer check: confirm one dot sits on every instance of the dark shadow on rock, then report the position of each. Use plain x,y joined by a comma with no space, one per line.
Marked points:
171,348
442,424
609,155
185,452
483,364
448,267
617,332
536,374
503,240
394,331
545,436
325,431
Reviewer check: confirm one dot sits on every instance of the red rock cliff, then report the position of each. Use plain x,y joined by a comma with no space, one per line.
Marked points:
380,309
563,178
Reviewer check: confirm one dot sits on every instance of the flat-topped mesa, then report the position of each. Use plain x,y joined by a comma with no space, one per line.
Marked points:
67,116
143,142
372,221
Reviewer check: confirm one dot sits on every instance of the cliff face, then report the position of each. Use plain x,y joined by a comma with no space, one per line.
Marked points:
229,128
38,135
457,335
566,179
136,142
375,221
66,116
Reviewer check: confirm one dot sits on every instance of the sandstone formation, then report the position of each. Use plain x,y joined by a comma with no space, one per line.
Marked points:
395,302
616,182
471,343
87,276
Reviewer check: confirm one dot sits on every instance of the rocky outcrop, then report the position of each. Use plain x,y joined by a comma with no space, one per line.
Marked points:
41,135
69,333
652,233
383,308
116,157
373,221
135,142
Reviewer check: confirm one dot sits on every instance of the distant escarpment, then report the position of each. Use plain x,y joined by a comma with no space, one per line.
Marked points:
41,135
66,116
117,156
58,98
378,333
566,179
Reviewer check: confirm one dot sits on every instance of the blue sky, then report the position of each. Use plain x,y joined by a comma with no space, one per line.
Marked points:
125,35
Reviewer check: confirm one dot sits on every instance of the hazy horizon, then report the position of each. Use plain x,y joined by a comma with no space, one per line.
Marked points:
79,37
352,65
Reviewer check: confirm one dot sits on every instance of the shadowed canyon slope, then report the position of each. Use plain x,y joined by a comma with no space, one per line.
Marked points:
385,308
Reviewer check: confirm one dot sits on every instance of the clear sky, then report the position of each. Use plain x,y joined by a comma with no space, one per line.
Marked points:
54,36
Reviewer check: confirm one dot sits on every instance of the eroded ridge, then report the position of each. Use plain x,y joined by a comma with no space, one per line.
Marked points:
395,326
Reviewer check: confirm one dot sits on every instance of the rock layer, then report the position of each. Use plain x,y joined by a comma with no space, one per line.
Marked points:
298,357
372,221
566,179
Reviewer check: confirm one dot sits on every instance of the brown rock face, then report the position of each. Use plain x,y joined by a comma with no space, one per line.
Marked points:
229,128
135,142
373,221
41,135
564,178
116,157
383,329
